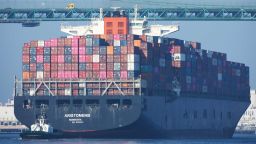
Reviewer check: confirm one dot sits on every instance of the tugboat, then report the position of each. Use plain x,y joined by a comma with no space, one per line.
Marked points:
41,128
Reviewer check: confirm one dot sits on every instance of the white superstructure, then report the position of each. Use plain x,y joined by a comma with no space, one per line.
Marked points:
248,120
136,26
7,117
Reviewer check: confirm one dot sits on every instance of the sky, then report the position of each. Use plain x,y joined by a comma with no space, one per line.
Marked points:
237,39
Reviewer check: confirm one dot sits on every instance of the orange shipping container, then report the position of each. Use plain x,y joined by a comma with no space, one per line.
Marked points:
25,75
110,50
137,43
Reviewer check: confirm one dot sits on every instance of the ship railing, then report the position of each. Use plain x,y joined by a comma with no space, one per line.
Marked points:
52,87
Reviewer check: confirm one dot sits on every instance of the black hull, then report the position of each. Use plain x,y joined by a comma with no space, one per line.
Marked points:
154,117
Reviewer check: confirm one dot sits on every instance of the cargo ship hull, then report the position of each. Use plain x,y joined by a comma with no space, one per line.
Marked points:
135,116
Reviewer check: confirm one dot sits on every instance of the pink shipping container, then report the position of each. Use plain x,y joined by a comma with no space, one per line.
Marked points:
25,58
54,50
68,67
47,43
68,74
54,42
74,66
39,58
54,58
74,42
61,74
81,50
123,75
74,74
74,50
60,51
75,58
27,45
32,67
116,37
61,66
82,58
61,58
103,75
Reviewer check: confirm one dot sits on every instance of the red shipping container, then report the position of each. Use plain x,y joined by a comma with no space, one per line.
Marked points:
74,50
81,50
32,67
60,58
25,50
82,74
54,50
61,74
74,66
124,75
39,58
82,42
68,67
96,66
54,42
123,58
47,66
103,75
25,58
110,58
88,58
61,50
54,66
39,51
110,74
54,58
75,58
33,43
47,75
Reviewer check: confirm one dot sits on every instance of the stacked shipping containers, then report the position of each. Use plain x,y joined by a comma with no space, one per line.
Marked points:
127,57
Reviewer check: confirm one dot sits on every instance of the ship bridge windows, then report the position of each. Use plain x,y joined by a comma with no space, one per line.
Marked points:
41,103
63,103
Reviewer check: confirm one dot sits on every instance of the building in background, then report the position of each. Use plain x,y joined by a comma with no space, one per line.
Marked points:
8,121
247,123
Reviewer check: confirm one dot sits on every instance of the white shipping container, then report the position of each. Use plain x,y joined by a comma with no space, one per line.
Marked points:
40,43
133,58
116,42
81,85
96,58
67,91
32,92
162,62
40,75
133,66
179,57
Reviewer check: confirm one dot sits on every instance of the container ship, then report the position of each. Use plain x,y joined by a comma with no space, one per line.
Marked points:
124,78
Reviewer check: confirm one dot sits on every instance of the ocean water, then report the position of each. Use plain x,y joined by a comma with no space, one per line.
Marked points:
237,139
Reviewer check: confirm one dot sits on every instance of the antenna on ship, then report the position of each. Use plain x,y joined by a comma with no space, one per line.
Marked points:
135,12
101,13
